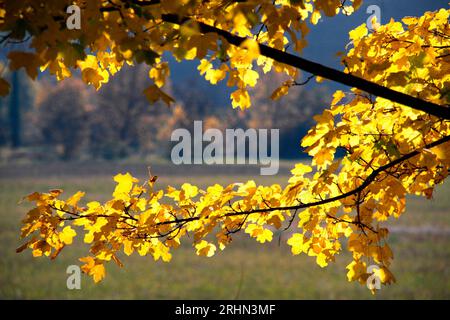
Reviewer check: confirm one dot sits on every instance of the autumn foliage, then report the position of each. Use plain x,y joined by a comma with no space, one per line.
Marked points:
390,150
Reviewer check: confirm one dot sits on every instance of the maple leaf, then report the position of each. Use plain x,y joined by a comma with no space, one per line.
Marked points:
67,235
358,33
205,248
30,61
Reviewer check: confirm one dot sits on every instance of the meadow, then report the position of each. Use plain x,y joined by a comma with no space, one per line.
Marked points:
420,240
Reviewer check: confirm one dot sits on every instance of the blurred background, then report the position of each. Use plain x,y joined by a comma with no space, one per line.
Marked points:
67,135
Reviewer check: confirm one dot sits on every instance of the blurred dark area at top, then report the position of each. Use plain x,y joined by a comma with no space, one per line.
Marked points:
47,120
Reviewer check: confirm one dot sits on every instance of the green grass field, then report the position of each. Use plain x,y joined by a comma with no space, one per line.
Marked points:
245,270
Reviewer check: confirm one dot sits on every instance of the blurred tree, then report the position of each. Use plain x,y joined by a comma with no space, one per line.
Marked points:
13,107
119,107
62,114
197,99
124,123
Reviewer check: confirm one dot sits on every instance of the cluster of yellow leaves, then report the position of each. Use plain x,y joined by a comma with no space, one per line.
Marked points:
132,32
138,219
411,57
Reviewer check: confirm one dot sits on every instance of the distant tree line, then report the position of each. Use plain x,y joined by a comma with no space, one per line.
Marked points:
67,121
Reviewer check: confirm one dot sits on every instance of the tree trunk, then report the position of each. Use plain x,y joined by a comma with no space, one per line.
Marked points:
14,112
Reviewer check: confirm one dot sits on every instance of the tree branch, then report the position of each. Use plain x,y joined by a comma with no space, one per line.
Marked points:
324,71
357,190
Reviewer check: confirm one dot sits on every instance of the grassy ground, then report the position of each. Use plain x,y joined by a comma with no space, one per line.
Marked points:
245,270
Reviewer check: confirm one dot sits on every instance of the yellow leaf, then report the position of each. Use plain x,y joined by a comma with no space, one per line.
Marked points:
73,200
358,33
355,270
296,242
205,248
67,235
124,186
144,249
265,235
442,151
249,51
98,272
91,76
385,275
88,237
315,17
94,268
319,79
160,73
89,263
58,68
249,77
204,66
323,157
322,260
216,75
30,61
337,97
240,98
300,169
128,247
41,247
190,191
91,71
261,234
280,92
